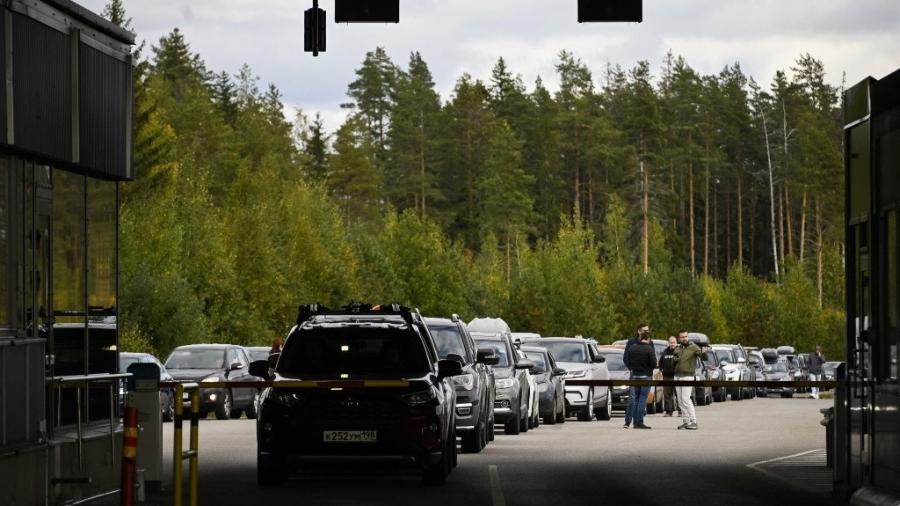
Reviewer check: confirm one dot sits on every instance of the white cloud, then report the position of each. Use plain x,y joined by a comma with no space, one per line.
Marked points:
456,36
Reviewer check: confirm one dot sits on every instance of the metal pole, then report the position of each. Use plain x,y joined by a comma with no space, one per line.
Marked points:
112,426
195,430
176,450
78,427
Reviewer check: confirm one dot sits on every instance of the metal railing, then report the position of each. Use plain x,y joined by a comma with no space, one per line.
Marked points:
82,383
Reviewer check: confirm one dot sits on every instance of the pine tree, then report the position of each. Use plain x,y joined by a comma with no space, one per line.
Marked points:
372,93
316,150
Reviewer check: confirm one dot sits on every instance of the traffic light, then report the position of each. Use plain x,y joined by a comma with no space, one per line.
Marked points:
592,11
314,30
366,11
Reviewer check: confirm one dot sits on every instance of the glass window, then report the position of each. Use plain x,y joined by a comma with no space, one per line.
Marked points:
449,341
354,353
499,348
196,358
4,242
567,352
614,361
68,244
101,243
540,363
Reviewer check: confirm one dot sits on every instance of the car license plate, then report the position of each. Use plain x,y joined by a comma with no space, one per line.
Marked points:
349,436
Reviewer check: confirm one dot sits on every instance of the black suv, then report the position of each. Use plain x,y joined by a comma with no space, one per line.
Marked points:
474,387
360,382
216,362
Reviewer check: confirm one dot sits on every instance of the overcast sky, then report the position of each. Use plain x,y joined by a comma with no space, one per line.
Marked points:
859,37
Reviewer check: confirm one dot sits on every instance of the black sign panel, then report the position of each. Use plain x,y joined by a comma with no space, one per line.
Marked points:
592,11
367,11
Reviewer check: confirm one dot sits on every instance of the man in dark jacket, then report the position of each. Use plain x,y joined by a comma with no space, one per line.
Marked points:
816,361
667,368
642,330
642,360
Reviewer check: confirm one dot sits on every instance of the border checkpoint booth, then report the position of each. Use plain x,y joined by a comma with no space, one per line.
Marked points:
65,145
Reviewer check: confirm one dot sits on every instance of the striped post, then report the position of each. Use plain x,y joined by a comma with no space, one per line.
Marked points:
177,456
129,456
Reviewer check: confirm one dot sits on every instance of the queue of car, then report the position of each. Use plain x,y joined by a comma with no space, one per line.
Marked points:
384,381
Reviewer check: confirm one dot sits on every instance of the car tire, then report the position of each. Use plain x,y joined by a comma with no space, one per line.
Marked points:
524,423
514,426
252,409
454,452
168,413
605,412
472,441
586,414
271,471
490,432
437,474
549,419
785,395
736,396
225,410
561,415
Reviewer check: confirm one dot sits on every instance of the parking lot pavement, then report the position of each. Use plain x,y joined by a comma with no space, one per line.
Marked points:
573,463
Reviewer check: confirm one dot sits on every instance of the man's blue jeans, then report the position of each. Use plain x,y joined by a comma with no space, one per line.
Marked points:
637,403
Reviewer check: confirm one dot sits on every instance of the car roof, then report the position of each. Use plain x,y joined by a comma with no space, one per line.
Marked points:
211,346
133,354
611,348
257,348
563,339
535,349
481,336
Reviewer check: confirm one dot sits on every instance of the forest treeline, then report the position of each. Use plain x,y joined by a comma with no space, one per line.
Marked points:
706,202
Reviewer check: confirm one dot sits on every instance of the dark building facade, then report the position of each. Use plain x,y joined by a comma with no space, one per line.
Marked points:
872,167
65,144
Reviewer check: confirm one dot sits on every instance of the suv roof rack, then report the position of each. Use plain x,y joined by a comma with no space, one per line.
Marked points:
308,311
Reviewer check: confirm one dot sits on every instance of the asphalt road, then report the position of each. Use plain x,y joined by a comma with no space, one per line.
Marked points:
574,463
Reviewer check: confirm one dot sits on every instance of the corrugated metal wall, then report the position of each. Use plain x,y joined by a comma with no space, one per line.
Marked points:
42,89
104,92
65,97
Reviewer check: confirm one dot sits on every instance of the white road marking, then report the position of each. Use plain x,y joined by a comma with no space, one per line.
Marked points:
496,492
811,487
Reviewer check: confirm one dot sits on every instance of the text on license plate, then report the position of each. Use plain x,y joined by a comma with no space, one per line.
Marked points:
349,436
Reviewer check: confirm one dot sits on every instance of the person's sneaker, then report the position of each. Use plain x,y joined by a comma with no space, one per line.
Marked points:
683,426
641,426
691,426
626,426
668,414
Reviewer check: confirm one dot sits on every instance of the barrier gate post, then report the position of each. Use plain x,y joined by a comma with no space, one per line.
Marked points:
176,448
195,440
129,456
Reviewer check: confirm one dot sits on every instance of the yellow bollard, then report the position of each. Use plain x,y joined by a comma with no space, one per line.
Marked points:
176,450
195,439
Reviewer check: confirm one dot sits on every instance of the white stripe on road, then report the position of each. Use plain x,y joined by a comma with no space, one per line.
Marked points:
496,492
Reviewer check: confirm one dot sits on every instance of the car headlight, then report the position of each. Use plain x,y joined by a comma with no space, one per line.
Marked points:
210,379
577,374
416,398
466,381
620,388
506,382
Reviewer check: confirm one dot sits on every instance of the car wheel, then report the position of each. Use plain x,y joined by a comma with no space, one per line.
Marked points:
490,432
524,422
514,426
561,415
605,412
168,413
271,470
224,410
736,396
252,409
472,440
437,474
454,453
586,414
786,395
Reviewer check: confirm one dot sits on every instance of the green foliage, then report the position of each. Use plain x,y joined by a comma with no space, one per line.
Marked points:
500,202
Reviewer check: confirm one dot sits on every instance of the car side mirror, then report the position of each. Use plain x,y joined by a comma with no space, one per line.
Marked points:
723,363
559,371
742,360
273,359
599,359
235,366
487,357
454,356
525,364
448,368
260,369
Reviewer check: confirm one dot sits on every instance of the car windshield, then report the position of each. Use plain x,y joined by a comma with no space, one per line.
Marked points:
354,352
448,339
724,354
260,354
777,367
566,352
614,361
197,358
540,363
499,349
124,362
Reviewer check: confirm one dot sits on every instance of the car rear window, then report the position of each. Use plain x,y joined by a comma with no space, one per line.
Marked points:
499,348
198,358
449,340
724,354
354,352
566,352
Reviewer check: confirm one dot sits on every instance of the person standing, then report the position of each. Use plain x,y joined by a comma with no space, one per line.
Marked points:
642,329
686,355
816,361
642,360
667,368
